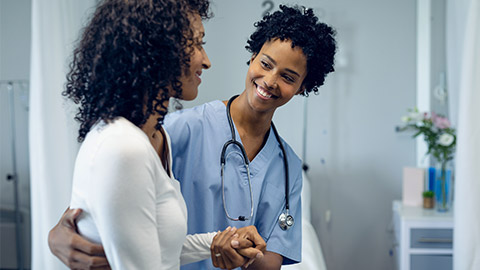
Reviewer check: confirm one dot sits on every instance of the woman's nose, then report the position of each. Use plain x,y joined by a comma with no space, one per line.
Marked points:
270,81
206,62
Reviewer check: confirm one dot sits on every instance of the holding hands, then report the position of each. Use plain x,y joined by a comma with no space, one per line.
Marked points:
234,247
230,249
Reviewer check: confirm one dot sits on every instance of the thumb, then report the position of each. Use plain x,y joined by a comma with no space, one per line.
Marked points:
70,217
240,243
251,253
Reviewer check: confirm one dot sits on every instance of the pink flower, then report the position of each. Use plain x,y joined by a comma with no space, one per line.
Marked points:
439,121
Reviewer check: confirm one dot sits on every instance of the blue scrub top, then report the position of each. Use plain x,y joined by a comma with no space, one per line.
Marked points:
197,138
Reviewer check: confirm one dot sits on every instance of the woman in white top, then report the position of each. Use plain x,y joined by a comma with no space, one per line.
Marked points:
132,57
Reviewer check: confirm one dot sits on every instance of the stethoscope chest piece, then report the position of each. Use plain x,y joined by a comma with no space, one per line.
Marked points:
285,221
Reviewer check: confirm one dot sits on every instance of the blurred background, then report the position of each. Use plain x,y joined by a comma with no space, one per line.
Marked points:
392,55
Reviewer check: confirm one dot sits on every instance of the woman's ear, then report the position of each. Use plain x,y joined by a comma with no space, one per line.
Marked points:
300,90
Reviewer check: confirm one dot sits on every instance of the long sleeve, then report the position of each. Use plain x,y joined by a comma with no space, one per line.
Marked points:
196,247
131,206
123,204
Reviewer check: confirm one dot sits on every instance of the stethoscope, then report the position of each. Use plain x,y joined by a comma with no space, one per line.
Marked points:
285,220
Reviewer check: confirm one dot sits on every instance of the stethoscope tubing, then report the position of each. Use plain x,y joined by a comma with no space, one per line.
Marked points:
233,141
285,162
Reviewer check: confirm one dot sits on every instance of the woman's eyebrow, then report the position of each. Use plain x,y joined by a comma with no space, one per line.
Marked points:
287,69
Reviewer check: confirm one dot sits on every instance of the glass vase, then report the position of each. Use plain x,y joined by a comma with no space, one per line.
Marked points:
443,186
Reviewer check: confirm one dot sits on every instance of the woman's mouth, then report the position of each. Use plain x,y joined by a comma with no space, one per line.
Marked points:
263,93
198,74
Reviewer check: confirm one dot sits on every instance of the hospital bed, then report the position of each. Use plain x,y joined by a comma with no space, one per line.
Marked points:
312,256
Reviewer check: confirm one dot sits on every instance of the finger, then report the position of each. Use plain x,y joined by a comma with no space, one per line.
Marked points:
252,253
219,256
76,265
82,266
222,235
228,263
252,235
257,240
223,238
213,250
222,246
221,263
87,247
87,262
230,256
98,262
70,216
102,268
239,243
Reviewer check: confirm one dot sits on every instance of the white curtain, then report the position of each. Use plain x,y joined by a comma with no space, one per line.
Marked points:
467,186
52,132
456,23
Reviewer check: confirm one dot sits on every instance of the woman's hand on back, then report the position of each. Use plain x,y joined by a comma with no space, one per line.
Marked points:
71,248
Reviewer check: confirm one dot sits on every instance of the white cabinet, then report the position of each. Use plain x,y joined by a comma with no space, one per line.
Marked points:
424,238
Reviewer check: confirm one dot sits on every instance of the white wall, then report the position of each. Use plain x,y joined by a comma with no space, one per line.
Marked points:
355,156
358,110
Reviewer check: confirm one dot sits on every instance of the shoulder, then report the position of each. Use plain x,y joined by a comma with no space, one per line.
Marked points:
184,123
119,139
195,114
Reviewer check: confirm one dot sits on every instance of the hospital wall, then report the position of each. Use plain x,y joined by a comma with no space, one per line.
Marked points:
355,155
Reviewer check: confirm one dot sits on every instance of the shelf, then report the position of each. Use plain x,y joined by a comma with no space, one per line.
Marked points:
415,213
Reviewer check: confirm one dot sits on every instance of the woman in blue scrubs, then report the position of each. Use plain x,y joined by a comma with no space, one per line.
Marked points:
291,55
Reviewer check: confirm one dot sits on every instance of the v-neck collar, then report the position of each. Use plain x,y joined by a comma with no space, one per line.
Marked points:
263,156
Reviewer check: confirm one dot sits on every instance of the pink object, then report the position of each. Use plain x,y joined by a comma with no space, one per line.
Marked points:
440,121
413,186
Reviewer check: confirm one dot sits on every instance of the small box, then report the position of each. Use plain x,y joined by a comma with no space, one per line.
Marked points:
413,186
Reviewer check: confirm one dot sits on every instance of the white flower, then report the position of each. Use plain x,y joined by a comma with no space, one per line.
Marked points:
445,139
416,116
405,119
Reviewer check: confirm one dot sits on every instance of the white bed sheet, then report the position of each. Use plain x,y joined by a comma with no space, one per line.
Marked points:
312,255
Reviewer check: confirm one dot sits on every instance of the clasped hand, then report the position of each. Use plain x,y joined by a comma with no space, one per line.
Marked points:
234,247
230,249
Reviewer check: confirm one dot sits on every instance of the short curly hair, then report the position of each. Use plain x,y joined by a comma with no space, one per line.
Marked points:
300,26
130,54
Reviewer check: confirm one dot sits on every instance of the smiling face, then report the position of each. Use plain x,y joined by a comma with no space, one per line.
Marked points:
198,61
275,75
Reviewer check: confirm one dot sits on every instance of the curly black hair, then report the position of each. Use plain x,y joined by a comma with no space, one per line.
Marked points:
130,54
300,26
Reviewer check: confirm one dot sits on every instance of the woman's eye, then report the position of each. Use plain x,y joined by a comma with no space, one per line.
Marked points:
288,78
265,64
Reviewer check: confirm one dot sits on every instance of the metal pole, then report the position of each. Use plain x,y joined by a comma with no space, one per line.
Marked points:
14,177
304,141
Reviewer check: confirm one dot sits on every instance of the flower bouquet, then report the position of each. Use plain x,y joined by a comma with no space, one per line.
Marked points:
441,140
